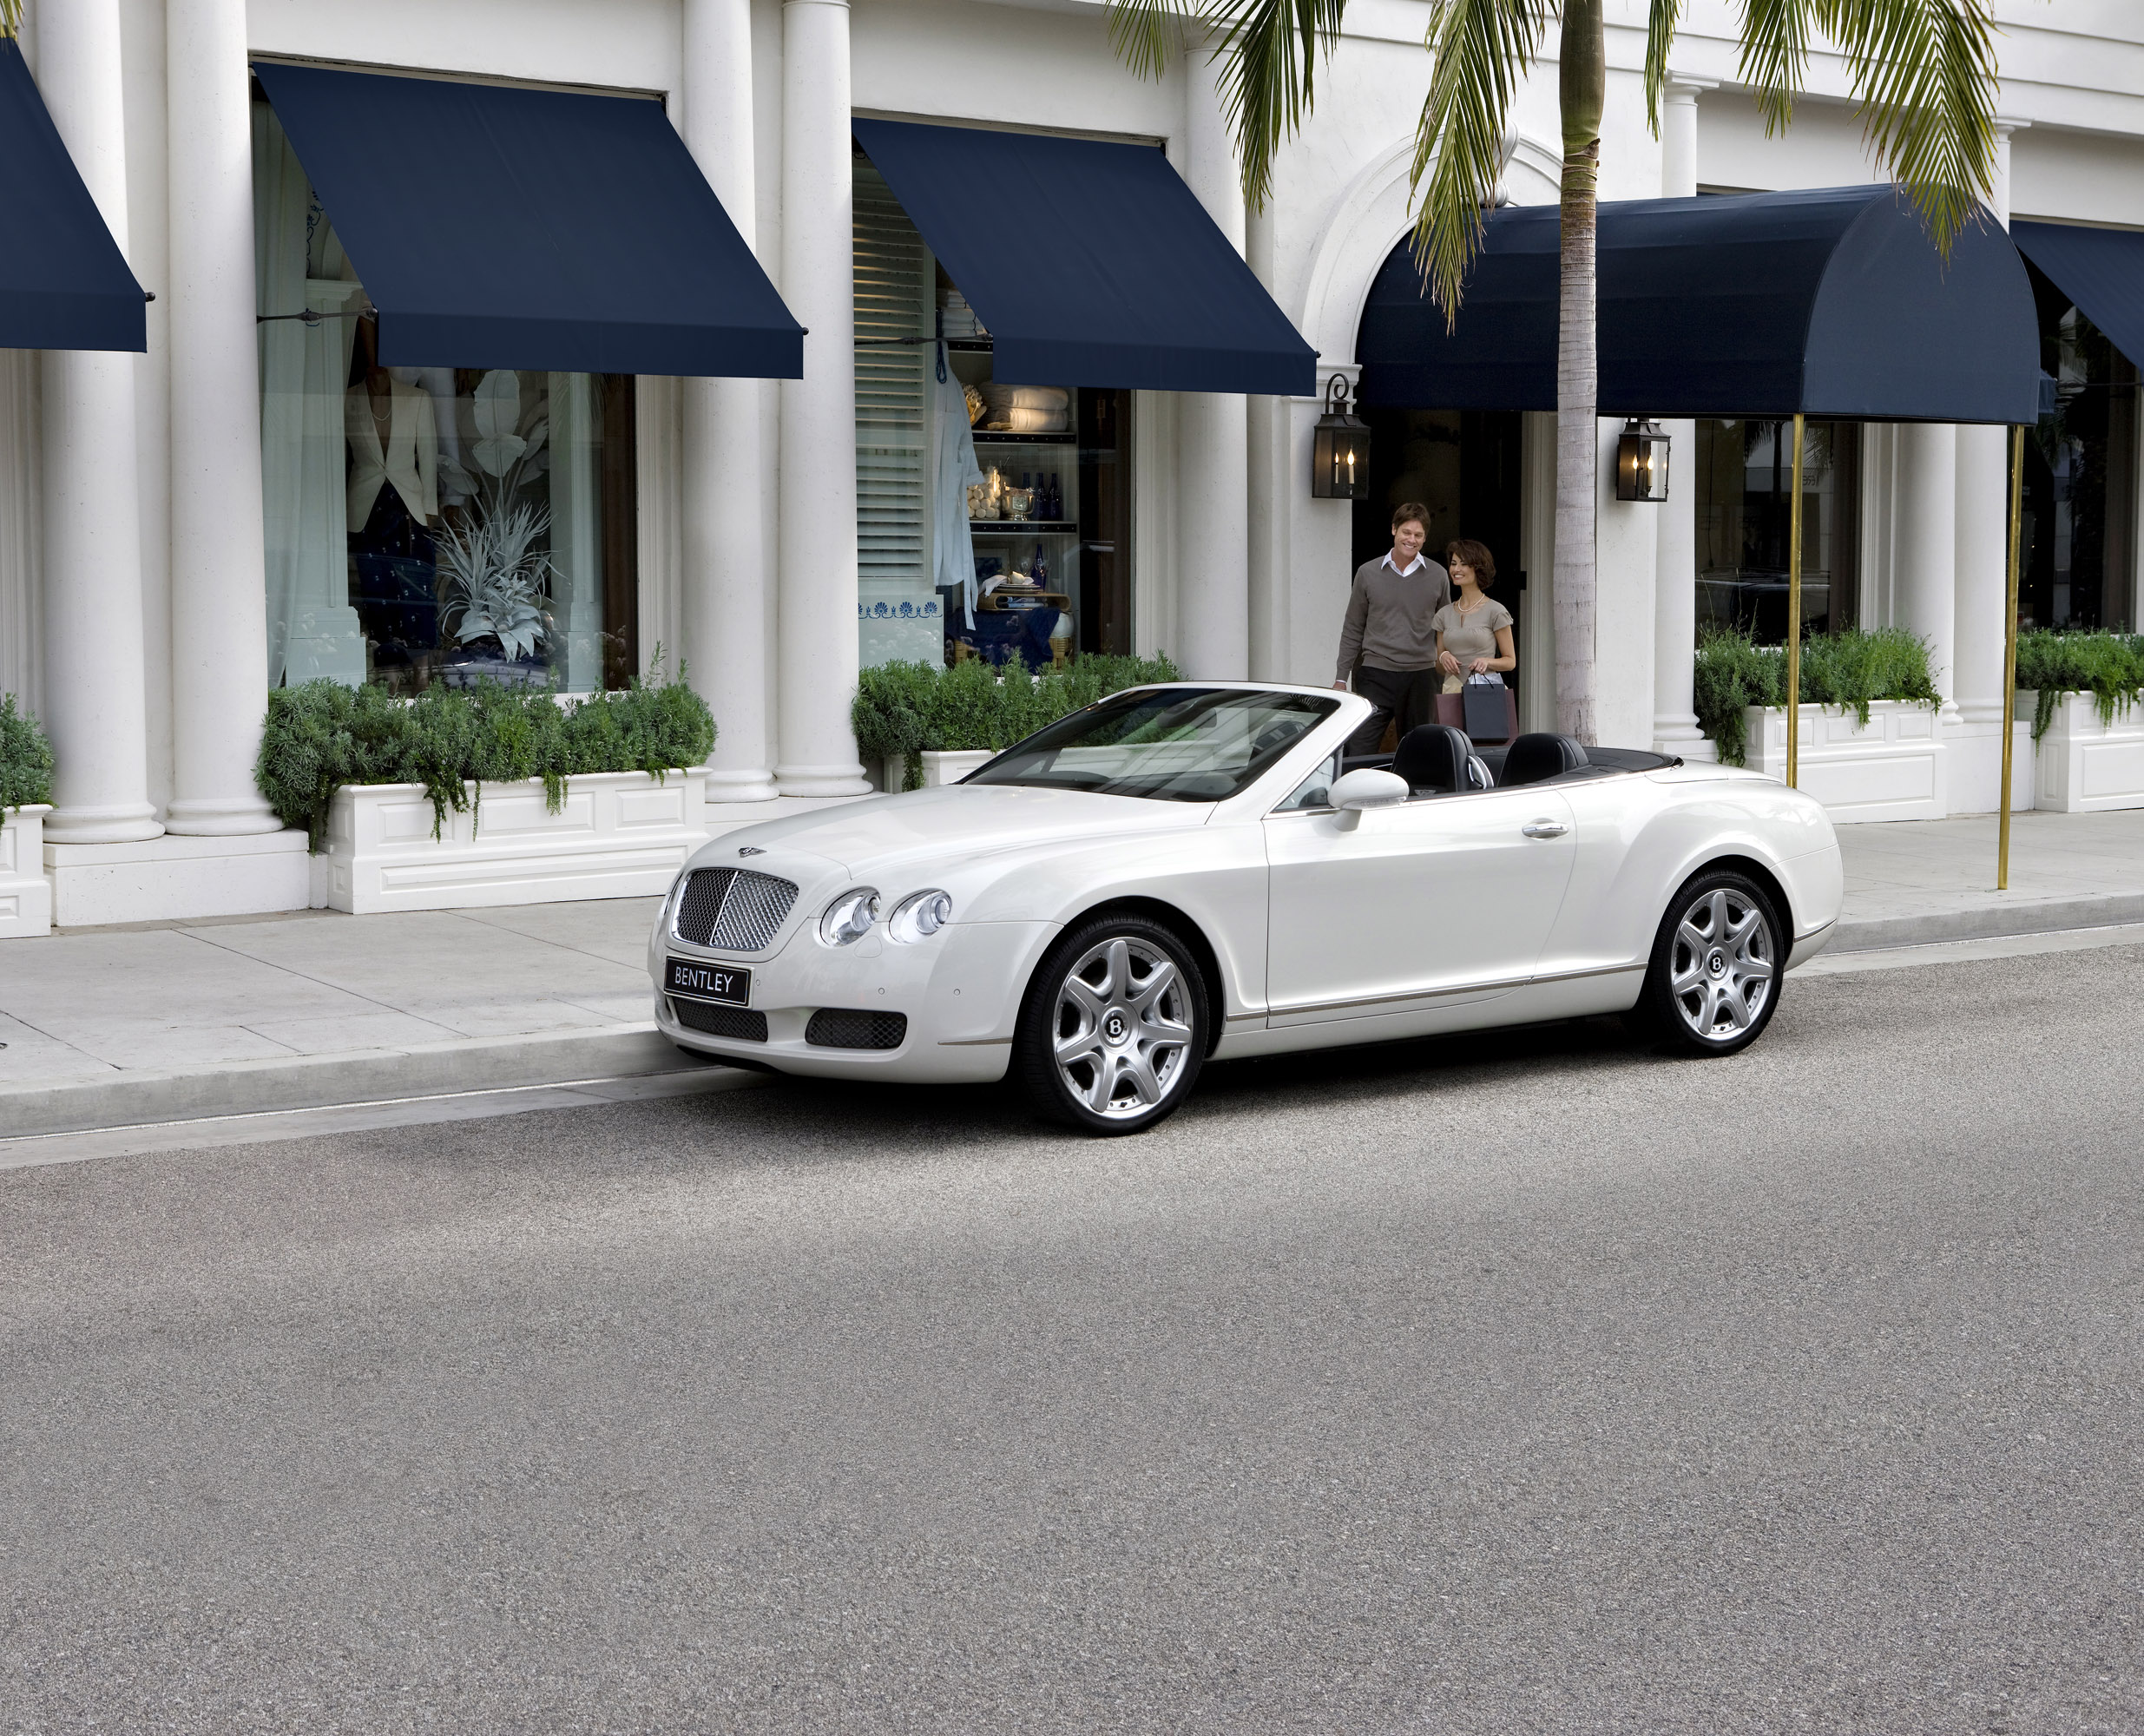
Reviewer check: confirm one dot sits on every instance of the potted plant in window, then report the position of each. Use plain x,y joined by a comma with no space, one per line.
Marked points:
495,564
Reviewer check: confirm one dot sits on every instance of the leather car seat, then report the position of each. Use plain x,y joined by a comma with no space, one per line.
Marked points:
1433,757
1532,757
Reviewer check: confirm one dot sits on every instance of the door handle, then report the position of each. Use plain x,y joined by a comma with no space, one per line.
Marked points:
1545,828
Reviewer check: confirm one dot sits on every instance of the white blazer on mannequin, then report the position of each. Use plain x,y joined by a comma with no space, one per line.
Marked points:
411,462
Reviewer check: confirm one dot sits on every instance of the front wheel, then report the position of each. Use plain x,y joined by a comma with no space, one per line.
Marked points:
1714,982
1115,1028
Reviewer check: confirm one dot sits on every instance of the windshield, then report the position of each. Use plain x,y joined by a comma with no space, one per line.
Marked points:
1165,744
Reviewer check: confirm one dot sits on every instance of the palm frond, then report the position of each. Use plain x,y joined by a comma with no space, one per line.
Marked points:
1269,51
11,16
1479,51
1925,73
1145,33
1662,18
1775,55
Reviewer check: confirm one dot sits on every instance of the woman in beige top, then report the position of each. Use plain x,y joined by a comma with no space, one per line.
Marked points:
1473,630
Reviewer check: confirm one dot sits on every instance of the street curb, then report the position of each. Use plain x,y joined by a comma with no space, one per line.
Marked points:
1990,921
318,1081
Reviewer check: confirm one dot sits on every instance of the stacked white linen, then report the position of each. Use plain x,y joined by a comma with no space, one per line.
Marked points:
1026,409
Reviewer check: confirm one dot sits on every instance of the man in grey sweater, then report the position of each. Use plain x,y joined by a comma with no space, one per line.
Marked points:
1387,644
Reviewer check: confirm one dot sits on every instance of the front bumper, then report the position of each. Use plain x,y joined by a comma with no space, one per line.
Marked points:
959,991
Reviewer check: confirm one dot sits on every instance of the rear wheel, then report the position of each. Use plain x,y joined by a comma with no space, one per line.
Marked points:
1714,982
1115,1028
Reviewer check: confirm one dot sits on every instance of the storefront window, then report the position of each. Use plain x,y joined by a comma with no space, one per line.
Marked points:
1745,475
434,524
2077,553
1026,554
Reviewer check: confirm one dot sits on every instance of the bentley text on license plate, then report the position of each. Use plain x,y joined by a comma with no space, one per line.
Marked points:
708,983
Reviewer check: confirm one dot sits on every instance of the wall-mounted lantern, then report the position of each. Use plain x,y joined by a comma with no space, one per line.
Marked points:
1642,462
1340,450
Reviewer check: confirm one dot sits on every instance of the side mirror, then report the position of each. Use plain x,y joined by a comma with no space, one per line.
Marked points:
1367,788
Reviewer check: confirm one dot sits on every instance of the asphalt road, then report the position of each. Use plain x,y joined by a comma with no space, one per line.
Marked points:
1528,1384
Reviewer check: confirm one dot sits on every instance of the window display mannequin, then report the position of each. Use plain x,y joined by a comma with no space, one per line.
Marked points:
392,430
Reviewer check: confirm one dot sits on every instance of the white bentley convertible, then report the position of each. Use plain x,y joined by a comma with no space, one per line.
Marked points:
1195,870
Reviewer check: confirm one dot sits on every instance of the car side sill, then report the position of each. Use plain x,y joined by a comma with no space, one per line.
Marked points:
1497,986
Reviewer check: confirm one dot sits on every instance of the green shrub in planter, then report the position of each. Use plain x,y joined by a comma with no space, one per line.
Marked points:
322,735
905,710
2109,666
1851,670
25,760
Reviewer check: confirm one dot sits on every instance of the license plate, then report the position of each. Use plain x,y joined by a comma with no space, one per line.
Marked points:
708,983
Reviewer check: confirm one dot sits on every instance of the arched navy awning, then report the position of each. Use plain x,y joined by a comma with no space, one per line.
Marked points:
64,285
1831,301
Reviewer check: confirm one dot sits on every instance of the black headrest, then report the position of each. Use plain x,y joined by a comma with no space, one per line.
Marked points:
1433,757
1531,758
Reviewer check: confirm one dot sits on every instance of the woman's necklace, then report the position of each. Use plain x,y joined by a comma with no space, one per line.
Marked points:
1466,608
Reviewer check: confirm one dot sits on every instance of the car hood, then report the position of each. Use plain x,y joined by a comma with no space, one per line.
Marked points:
958,824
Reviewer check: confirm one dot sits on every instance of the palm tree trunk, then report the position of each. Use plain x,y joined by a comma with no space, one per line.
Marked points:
1582,82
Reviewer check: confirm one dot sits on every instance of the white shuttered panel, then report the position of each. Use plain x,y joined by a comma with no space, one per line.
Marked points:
898,609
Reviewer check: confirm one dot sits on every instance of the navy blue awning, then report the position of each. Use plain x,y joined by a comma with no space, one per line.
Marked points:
2100,270
63,283
1092,264
500,227
1833,302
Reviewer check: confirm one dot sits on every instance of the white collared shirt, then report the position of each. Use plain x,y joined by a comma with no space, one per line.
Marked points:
1406,572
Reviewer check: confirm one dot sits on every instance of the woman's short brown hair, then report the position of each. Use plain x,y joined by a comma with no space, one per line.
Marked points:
1469,553
1414,510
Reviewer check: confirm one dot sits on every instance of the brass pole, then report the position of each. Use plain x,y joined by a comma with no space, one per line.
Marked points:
2010,658
1793,619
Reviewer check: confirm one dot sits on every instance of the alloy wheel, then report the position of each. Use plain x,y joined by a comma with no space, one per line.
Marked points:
1122,1032
1721,969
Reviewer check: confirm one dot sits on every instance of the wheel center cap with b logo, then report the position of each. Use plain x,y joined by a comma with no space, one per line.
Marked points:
1717,963
1114,1027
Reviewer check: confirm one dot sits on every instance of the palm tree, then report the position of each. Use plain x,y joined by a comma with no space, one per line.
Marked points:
1923,71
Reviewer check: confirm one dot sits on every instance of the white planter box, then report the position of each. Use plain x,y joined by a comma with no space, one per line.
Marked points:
1893,769
620,835
2083,765
949,767
25,894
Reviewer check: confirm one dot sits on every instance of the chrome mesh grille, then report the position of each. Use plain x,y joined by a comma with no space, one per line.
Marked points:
733,908
735,1023
848,1028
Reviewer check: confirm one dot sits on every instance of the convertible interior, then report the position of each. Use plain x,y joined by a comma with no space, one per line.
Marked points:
1437,759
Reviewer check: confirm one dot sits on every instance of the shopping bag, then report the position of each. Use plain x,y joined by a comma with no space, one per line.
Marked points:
1491,710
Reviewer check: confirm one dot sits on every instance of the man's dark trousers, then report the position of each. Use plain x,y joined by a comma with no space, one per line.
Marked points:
1407,697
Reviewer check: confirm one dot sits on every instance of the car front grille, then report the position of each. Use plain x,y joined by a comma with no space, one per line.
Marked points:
735,1023
847,1028
733,908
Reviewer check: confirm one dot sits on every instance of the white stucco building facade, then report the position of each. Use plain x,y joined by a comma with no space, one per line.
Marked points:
134,560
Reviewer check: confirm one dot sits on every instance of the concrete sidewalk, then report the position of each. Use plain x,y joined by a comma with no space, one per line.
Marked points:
118,1027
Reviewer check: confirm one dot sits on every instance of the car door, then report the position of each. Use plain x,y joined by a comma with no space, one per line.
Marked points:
1429,902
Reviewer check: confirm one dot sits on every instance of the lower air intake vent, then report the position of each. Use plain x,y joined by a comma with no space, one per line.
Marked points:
733,908
841,1028
730,1022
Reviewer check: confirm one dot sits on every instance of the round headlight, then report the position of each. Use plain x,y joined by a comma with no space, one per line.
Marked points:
920,915
850,916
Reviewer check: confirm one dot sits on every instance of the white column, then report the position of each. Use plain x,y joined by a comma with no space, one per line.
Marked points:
1213,549
218,620
1267,495
1976,763
817,486
1674,573
1924,587
94,706
725,592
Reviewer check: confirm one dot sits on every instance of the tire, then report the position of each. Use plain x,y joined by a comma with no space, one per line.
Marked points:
1102,1045
1713,981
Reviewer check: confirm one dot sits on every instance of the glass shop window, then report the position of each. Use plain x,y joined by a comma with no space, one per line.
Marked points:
2077,542
1745,493
427,524
993,519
